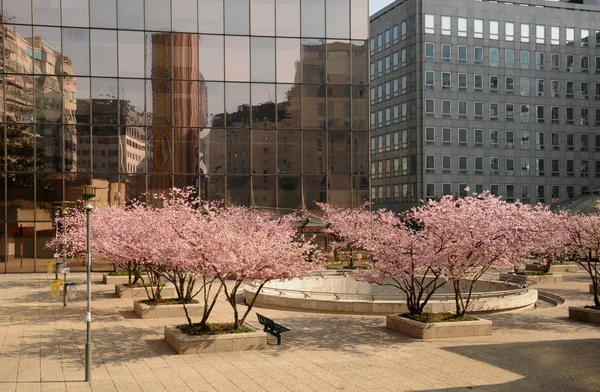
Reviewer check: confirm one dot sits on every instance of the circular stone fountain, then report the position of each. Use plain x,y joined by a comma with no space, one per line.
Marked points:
338,292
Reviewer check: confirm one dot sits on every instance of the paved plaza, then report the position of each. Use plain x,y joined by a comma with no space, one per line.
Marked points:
42,349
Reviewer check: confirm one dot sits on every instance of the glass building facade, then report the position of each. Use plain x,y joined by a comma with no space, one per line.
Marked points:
263,103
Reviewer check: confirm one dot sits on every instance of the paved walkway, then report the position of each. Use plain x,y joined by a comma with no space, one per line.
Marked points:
42,343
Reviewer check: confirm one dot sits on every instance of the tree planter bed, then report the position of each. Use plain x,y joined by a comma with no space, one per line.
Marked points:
531,279
147,311
585,315
188,344
553,268
454,329
123,291
108,279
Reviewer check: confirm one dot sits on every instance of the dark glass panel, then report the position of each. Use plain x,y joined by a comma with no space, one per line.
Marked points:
360,191
339,191
184,56
20,148
313,106
75,13
212,57
186,104
132,153
19,98
158,15
238,151
263,107
290,192
158,184
313,18
289,147
288,18
338,18
314,152
48,99
185,146
103,13
20,196
315,190
105,149
212,151
360,153
17,11
158,60
264,152
360,62
359,20
46,12
184,181
263,59
72,186
76,51
49,146
338,62
46,45
159,150
78,152
49,188
210,16
262,17
237,104
132,186
2,153
288,106
338,107
104,52
237,17
340,152
69,141
185,15
132,101
158,102
360,108
212,107
288,60
237,59
131,14
131,54
239,190
81,89
17,49
264,191
215,187
313,61
104,101
69,99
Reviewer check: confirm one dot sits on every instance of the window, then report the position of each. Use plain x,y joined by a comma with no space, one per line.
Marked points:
570,141
510,166
524,59
372,46
478,137
446,53
494,29
525,194
462,110
570,89
570,168
429,191
478,55
478,165
380,119
395,34
584,64
396,140
554,168
430,164
525,87
388,90
478,28
540,58
462,27
584,142
525,113
478,83
462,137
541,191
583,168
429,108
463,165
510,193
570,65
570,36
494,57
584,89
554,88
379,68
403,27
429,53
555,35
539,110
570,116
524,140
429,24
583,116
403,84
373,121
509,31
388,168
446,106
539,141
462,54
388,116
388,64
597,67
494,111
494,166
479,188
510,112
555,194
446,164
597,117
403,57
510,139
446,189
446,81
387,38
494,84
429,136
372,71
539,87
462,82
555,60
509,58
540,33
379,42
494,138
446,25
478,110
554,141
373,146
509,85
429,80
554,115
395,88
446,136
585,38
524,167
524,32
373,96
395,61
380,93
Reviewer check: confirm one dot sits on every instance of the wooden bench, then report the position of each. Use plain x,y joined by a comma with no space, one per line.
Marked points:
272,327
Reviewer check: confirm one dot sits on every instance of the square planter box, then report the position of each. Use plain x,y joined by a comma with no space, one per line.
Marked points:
123,291
585,315
457,329
146,311
555,268
186,344
108,279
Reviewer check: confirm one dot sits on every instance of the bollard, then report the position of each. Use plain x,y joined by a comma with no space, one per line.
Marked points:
50,266
55,288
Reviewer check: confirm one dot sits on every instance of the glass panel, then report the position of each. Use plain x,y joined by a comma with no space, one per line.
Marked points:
339,152
103,13
158,102
131,14
46,43
46,12
185,15
237,104
314,157
133,153
158,15
263,60
16,43
105,147
264,191
212,151
288,18
157,56
290,192
288,56
17,11
263,17
238,151
313,18
75,13
313,106
359,19
313,61
340,191
360,108
185,148
210,16
212,61
159,150
338,18
289,158
264,152
263,105
131,54
77,92
288,106
213,108
48,99
104,52
360,62
186,104
338,62
315,190
104,101
184,56
338,107
237,59
237,17
238,190
76,51
19,148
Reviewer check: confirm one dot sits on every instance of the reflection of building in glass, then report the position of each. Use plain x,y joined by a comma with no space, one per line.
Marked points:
253,101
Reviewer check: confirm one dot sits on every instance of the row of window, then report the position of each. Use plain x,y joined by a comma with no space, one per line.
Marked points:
474,28
525,117
393,62
494,139
508,61
406,111
397,33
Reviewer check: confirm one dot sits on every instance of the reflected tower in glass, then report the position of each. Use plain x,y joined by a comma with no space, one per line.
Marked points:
263,103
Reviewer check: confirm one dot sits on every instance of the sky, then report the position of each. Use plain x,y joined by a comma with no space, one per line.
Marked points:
376,5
